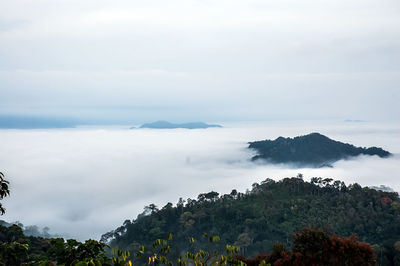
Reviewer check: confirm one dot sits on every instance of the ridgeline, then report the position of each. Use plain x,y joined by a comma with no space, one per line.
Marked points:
168,125
312,150
271,212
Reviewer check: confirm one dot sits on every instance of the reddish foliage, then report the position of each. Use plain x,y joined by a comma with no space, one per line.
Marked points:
386,200
313,246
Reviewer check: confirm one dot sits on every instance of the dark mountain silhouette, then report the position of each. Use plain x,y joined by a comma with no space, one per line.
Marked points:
314,150
168,125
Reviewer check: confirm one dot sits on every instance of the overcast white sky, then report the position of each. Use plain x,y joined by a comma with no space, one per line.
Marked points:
134,61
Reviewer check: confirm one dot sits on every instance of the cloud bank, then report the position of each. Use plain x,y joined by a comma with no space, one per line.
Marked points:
84,182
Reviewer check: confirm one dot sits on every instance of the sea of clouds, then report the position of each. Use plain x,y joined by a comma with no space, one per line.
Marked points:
83,182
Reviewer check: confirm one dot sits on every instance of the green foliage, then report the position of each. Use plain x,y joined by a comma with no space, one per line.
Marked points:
18,249
271,212
311,246
12,253
4,191
311,150
199,257
120,257
70,252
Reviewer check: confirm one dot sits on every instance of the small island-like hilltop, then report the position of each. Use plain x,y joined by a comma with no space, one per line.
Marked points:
168,125
312,150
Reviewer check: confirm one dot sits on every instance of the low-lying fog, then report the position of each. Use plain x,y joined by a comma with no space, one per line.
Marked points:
84,182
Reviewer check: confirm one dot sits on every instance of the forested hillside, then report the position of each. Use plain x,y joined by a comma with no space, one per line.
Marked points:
314,150
271,212
260,223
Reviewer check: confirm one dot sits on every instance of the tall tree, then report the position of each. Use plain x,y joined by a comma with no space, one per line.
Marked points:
4,191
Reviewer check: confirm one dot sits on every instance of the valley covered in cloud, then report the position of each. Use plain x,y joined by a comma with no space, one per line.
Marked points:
83,182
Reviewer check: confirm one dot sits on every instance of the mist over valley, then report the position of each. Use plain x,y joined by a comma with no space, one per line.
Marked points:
249,120
82,182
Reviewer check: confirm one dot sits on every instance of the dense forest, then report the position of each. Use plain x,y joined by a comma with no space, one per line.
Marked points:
313,150
311,246
274,223
269,213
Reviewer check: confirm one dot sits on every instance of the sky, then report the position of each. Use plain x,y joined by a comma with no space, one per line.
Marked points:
290,66
84,182
121,62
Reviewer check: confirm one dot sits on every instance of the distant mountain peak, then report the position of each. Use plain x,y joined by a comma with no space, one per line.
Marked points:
315,150
162,124
315,134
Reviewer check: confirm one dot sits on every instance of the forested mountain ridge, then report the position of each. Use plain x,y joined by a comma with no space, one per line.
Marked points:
315,150
271,212
310,246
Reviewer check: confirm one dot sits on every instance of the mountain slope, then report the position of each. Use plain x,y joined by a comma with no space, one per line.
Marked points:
269,213
314,150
